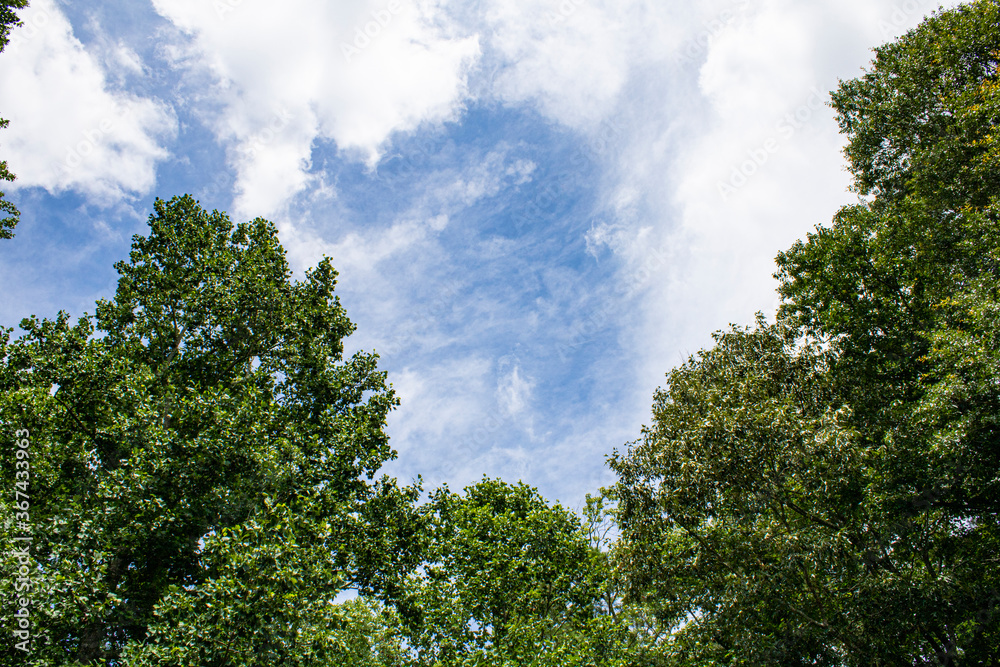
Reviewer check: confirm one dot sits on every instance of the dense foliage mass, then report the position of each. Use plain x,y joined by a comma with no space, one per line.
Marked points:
506,580
201,457
820,490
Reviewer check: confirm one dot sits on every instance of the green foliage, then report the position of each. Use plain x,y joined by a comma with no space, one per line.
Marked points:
922,122
639,626
202,458
825,490
8,19
506,580
739,503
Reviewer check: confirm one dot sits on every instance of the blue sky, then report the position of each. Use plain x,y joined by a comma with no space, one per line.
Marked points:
537,207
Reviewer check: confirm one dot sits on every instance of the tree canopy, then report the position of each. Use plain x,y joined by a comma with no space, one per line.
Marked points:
506,579
824,490
202,485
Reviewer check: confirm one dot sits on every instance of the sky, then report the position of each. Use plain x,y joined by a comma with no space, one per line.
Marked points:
537,207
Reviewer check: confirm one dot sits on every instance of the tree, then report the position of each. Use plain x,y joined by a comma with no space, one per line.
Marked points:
907,299
641,626
825,489
202,458
738,505
8,20
506,579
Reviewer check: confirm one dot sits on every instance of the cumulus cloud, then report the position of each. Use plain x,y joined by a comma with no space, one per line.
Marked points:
351,73
70,130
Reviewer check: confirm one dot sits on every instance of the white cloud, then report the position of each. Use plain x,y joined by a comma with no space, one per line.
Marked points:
69,130
754,162
573,59
449,427
348,72
446,398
